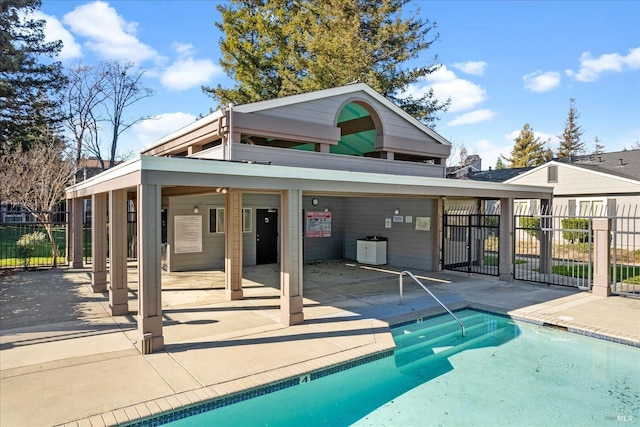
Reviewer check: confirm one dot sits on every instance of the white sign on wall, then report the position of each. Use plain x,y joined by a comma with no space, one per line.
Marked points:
423,223
188,234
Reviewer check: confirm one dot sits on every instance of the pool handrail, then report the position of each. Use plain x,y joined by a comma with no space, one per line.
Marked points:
415,279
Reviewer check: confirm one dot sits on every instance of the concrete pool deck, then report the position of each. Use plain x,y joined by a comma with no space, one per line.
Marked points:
65,361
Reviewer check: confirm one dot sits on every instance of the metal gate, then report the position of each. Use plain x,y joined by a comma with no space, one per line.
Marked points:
625,252
470,242
558,249
553,249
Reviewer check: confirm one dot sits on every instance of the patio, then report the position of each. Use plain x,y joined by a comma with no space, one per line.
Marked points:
64,360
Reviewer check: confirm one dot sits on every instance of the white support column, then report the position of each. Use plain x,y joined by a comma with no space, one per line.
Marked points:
291,300
118,291
505,243
74,252
99,242
233,246
602,255
149,274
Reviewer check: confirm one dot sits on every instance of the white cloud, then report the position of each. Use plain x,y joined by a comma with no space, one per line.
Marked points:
150,130
591,68
464,94
490,152
54,31
107,33
475,68
543,136
472,117
187,72
541,82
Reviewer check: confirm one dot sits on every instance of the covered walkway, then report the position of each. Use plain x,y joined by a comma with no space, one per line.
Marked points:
80,365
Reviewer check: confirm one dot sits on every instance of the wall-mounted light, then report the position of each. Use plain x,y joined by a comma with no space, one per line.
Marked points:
397,212
314,202
196,209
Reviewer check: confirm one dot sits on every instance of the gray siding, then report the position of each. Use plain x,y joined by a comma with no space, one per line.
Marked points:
287,157
326,248
324,111
406,247
213,244
352,218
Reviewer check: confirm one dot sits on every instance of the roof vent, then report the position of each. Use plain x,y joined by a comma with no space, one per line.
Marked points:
621,162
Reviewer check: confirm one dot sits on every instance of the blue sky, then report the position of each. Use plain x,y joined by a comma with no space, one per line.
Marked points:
505,63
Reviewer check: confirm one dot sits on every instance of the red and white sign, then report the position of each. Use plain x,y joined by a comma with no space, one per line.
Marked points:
318,224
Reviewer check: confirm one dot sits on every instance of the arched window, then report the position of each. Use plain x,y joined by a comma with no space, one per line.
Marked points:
359,126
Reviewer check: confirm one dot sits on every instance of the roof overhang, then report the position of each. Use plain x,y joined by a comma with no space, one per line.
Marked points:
174,171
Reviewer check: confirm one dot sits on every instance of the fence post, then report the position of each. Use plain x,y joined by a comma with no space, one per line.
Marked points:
505,243
602,257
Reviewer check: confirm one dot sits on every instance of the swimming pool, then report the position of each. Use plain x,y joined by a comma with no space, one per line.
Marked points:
502,372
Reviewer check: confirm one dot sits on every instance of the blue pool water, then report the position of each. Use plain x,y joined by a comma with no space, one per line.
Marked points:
501,373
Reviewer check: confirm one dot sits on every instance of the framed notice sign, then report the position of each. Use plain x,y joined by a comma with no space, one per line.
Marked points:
423,223
188,234
318,224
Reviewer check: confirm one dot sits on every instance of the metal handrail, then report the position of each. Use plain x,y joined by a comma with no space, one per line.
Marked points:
408,273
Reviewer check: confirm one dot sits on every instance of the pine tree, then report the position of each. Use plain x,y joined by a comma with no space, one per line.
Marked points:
598,148
283,47
528,150
570,144
500,164
29,80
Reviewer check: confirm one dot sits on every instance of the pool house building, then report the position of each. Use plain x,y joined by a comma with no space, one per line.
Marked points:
341,173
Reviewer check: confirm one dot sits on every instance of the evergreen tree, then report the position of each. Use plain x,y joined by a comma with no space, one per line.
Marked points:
528,150
276,48
598,148
570,144
29,81
500,164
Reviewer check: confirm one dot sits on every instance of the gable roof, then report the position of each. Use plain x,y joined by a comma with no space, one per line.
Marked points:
498,175
259,106
620,164
340,90
624,164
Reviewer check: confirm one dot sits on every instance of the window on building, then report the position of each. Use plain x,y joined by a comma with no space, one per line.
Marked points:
552,173
246,220
521,207
216,220
591,207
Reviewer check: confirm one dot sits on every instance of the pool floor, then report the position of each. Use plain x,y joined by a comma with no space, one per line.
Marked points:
502,373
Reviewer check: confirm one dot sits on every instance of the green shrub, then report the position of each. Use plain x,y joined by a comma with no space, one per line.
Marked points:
571,228
28,243
530,224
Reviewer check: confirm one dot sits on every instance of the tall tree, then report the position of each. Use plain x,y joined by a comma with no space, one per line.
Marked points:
598,148
274,48
96,101
528,150
500,164
29,78
570,143
36,178
122,88
82,101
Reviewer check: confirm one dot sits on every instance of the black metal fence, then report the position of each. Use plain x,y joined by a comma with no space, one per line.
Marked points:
470,241
556,247
132,241
25,239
